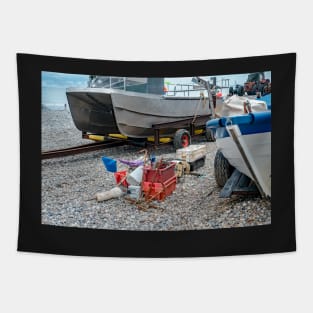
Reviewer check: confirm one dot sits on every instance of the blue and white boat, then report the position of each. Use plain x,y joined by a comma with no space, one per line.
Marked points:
245,142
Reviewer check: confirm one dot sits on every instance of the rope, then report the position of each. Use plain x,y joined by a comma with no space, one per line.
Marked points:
202,98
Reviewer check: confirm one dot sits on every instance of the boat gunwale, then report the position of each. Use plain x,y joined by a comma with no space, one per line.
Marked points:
109,91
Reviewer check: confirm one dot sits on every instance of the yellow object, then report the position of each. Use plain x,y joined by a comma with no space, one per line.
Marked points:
119,136
199,131
181,168
165,140
162,140
96,137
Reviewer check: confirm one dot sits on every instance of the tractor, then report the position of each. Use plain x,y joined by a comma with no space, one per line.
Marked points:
256,83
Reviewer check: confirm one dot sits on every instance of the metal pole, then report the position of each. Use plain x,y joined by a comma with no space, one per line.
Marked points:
205,84
245,158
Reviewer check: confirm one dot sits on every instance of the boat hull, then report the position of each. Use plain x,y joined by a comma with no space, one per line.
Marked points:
133,114
245,141
136,114
258,150
92,111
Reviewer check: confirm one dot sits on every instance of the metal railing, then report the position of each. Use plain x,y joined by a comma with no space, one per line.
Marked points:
112,82
182,89
170,89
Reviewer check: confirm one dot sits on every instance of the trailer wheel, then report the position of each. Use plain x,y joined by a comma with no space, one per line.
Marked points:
209,135
222,169
231,91
182,139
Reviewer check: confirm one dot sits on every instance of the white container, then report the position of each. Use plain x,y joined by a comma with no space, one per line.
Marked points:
134,192
135,177
191,153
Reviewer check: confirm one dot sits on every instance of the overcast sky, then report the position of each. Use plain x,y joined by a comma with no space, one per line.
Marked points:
51,79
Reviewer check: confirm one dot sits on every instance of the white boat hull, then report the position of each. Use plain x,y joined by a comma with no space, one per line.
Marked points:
257,148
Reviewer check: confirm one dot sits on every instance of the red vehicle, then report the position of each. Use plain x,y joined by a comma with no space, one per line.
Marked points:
256,82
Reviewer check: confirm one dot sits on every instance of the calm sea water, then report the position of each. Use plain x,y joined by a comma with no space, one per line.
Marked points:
53,97
54,85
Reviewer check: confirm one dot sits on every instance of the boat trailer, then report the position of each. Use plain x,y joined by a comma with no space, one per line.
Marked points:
239,183
191,126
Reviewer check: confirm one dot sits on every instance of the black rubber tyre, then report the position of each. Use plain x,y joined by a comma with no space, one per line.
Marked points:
231,91
182,139
222,169
209,135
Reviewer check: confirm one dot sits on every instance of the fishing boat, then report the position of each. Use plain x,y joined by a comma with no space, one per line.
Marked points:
132,106
245,142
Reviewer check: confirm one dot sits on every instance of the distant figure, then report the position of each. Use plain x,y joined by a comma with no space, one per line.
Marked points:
64,106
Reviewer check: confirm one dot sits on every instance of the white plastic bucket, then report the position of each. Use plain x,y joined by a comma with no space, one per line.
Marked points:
134,191
135,177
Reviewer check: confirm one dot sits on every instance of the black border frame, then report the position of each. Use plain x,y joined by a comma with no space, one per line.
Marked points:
277,237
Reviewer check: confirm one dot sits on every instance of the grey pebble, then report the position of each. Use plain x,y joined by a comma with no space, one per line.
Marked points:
67,183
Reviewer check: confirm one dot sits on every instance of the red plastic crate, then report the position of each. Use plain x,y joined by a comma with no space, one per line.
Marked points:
159,191
119,176
160,175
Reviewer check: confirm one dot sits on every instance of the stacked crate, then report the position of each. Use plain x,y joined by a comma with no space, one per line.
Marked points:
160,182
193,154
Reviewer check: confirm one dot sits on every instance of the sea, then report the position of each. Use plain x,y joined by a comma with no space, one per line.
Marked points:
54,98
54,85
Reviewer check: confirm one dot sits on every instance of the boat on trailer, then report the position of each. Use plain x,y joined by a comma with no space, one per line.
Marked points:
105,109
244,141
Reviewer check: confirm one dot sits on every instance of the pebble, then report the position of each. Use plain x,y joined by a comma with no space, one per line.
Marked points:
67,184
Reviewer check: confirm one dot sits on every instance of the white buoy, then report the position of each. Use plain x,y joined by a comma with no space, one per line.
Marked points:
109,194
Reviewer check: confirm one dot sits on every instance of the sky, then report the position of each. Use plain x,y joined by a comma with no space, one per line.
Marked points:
53,85
61,80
